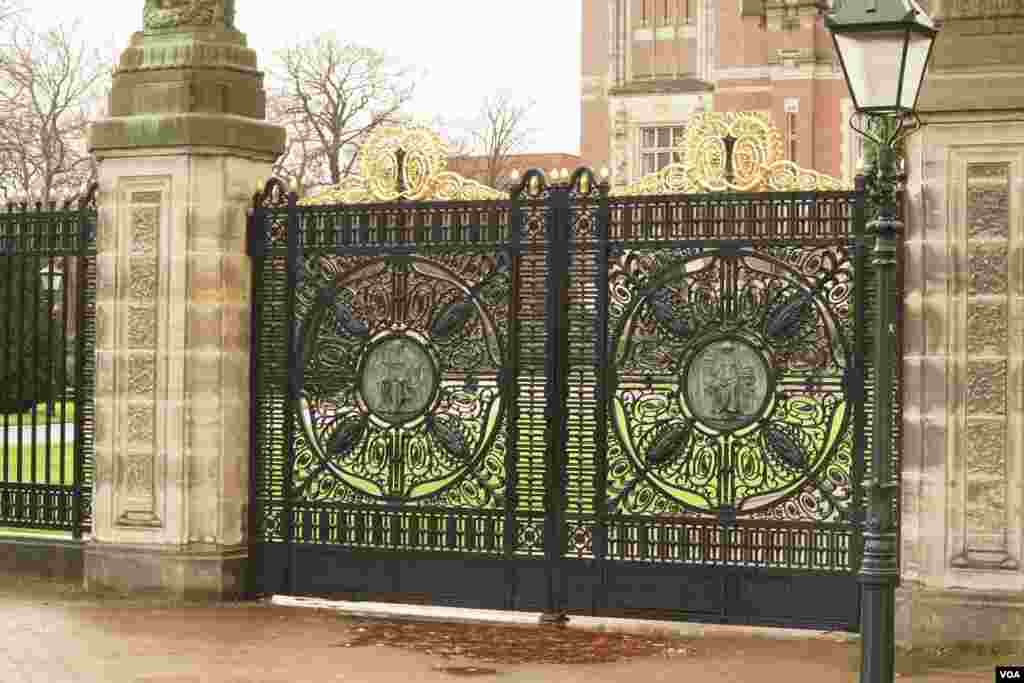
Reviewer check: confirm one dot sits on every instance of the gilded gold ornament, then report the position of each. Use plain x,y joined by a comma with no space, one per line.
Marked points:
420,158
757,161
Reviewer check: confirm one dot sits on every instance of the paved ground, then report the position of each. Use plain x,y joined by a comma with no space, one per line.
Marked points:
54,634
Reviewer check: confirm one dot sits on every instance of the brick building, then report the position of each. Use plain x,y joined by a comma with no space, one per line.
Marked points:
647,65
475,167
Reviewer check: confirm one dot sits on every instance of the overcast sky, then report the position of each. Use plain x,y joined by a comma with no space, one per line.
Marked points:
468,48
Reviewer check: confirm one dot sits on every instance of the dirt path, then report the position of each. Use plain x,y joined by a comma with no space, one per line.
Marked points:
55,634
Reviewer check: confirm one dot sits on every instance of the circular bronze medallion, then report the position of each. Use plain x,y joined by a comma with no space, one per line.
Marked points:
727,384
398,379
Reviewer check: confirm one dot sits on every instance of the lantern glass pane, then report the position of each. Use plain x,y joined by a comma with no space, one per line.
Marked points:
913,73
873,62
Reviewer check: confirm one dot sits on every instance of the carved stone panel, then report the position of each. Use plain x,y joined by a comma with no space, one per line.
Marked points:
145,225
987,269
987,325
136,494
142,374
986,387
141,327
989,416
142,278
988,201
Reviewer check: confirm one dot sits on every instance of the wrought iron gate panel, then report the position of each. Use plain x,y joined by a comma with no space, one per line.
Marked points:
564,400
48,364
403,398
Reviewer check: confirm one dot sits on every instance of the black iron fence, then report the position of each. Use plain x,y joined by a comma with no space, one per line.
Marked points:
565,401
47,366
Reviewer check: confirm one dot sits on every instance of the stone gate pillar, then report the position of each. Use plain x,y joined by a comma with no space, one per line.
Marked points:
180,155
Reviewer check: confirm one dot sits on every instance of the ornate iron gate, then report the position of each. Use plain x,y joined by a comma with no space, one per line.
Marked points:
47,364
563,400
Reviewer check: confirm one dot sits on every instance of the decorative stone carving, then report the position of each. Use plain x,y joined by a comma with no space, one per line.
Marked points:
171,14
141,328
726,384
399,380
142,374
987,329
144,227
986,485
141,424
983,9
138,474
988,201
987,270
986,387
142,279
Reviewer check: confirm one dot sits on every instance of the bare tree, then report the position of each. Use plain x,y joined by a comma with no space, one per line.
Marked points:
500,131
330,96
51,83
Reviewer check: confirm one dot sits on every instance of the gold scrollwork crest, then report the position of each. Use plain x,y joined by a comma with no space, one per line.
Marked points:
410,163
757,163
419,155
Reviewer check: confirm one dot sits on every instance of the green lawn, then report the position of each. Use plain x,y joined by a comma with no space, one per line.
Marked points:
65,413
10,461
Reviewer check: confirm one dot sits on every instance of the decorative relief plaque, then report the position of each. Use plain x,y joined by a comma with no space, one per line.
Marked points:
142,278
399,379
136,497
144,227
141,328
981,522
987,269
988,201
727,384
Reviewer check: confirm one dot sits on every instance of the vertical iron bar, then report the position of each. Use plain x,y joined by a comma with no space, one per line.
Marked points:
557,236
7,260
292,379
82,254
65,312
256,241
603,375
56,220
37,225
510,376
19,344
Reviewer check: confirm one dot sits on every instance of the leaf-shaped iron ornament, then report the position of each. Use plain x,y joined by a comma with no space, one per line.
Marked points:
451,437
346,436
348,323
665,314
452,318
784,447
669,442
784,321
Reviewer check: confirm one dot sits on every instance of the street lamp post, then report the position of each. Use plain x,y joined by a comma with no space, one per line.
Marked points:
883,47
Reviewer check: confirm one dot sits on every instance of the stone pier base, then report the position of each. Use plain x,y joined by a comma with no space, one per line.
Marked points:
216,574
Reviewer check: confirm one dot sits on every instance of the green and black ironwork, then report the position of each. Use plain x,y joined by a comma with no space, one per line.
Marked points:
565,402
47,366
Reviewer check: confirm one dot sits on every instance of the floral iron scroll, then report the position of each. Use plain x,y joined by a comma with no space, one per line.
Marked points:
735,151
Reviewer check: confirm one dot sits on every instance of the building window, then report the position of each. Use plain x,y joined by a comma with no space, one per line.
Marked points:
659,147
791,136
